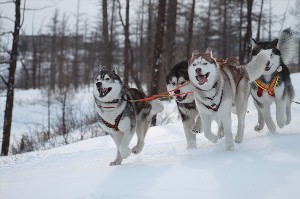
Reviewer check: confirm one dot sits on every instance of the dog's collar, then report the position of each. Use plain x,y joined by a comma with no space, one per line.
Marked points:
113,126
115,101
214,107
267,88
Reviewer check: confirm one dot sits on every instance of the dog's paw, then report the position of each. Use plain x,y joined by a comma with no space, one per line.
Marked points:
137,149
258,127
230,148
196,130
114,163
220,134
125,152
238,140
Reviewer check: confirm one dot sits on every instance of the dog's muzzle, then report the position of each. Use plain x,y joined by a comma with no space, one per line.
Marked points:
102,91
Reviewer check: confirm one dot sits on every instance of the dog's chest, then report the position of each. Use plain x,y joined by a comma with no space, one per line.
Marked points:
264,97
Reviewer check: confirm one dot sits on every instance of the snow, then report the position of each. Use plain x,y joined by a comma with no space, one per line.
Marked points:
265,166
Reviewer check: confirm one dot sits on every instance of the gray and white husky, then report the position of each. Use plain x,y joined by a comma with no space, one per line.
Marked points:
120,117
219,87
191,121
275,83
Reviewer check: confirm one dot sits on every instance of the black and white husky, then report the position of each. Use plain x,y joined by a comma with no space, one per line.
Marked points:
178,76
275,83
120,117
220,86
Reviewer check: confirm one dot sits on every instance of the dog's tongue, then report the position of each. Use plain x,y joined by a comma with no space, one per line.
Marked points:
202,79
104,90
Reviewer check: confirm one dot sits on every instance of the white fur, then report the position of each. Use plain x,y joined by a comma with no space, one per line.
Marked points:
287,45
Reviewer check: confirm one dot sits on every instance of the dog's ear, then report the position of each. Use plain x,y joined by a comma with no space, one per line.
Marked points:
195,52
209,51
114,69
275,42
253,43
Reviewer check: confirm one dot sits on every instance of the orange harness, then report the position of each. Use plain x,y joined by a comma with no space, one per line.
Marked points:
267,88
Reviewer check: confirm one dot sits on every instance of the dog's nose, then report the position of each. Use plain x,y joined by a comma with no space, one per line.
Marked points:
98,84
198,71
177,91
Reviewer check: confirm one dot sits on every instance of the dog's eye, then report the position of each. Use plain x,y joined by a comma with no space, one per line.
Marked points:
183,82
173,83
204,63
271,55
194,64
107,79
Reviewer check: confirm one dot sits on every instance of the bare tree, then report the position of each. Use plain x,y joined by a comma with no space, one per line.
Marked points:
106,53
11,81
157,55
190,31
259,20
53,50
75,69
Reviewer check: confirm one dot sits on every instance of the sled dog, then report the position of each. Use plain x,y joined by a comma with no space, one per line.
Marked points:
219,87
120,117
178,76
275,83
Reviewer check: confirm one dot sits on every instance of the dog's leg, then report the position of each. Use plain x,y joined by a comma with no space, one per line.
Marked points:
220,128
261,122
206,123
189,135
141,130
288,112
196,128
268,118
117,139
280,110
241,107
124,145
226,121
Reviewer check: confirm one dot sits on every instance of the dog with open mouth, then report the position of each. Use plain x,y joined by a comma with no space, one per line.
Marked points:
220,88
177,77
275,84
121,116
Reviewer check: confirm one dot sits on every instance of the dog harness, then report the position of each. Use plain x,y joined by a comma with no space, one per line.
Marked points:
267,88
214,107
113,126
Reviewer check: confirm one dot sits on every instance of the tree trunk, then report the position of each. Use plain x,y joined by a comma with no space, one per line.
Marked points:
206,36
106,52
53,52
127,46
170,35
75,70
259,21
241,32
190,32
248,36
149,48
11,82
157,56
224,29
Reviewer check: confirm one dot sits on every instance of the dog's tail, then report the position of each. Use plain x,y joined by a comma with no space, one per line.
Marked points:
257,66
287,45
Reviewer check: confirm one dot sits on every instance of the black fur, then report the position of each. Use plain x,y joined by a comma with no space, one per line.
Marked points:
179,70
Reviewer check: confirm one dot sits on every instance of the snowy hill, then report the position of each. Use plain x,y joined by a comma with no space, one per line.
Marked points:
264,166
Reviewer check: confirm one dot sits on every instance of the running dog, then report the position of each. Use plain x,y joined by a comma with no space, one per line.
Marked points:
275,83
121,117
178,76
219,87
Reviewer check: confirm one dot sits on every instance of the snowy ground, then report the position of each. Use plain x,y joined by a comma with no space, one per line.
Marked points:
264,166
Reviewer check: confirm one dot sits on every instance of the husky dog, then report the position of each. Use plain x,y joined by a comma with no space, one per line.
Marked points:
177,76
119,116
219,87
275,83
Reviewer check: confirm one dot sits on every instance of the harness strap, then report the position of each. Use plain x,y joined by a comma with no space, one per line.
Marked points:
214,107
267,88
113,126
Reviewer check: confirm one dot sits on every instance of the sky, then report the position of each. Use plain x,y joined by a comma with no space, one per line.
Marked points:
42,11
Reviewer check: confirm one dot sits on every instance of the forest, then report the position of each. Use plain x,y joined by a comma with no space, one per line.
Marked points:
142,39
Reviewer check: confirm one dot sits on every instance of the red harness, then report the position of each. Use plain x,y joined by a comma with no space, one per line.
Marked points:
113,126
